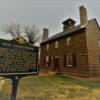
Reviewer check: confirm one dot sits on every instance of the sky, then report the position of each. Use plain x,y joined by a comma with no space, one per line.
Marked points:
45,13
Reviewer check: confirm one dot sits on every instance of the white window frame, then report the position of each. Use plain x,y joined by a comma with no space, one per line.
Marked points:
47,59
47,47
56,44
68,55
68,41
99,43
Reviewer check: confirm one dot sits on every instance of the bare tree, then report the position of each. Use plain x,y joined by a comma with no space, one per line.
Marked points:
14,29
32,34
17,29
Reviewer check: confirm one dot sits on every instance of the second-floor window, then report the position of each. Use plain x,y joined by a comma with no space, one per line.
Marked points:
68,41
99,43
56,44
47,47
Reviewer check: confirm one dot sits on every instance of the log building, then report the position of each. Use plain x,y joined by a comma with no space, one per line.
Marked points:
75,51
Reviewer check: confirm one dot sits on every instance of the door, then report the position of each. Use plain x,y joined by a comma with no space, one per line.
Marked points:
56,64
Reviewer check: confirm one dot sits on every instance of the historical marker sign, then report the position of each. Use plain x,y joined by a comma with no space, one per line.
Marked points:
17,59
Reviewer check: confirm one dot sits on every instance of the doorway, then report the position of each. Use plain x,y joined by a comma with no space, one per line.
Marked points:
56,64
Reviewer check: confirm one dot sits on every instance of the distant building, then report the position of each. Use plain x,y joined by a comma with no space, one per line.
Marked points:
76,50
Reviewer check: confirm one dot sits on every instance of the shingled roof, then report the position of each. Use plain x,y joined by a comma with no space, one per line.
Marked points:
64,33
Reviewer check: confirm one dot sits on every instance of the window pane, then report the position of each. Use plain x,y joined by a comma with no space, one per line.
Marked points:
99,42
47,47
69,60
47,59
56,44
74,60
68,41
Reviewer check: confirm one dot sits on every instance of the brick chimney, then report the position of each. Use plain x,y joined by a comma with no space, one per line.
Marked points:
68,24
83,15
45,34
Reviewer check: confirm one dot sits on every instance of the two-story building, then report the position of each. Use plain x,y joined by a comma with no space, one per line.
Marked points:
75,51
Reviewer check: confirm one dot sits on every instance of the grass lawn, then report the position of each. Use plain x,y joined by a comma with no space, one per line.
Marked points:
53,88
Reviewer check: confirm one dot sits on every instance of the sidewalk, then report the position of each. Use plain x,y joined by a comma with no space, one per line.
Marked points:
46,73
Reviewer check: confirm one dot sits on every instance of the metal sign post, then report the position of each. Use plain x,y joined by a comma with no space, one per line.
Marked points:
15,82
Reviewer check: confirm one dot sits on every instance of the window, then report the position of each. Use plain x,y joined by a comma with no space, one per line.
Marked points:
74,60
69,59
47,59
56,44
47,47
99,43
68,41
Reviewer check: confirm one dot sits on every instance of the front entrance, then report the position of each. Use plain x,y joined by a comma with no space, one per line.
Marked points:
56,64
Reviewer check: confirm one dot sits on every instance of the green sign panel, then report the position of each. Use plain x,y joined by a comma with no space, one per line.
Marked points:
18,59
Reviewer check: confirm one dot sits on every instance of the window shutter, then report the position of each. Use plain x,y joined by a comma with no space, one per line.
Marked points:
74,60
65,60
49,60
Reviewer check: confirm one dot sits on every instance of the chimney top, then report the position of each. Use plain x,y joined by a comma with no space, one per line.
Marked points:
68,24
45,34
83,15
69,21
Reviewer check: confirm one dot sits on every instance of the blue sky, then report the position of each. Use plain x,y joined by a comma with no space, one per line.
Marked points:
45,13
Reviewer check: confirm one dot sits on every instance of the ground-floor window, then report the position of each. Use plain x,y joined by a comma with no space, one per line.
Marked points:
70,60
48,61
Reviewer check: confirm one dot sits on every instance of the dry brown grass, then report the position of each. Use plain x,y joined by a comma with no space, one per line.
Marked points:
54,88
